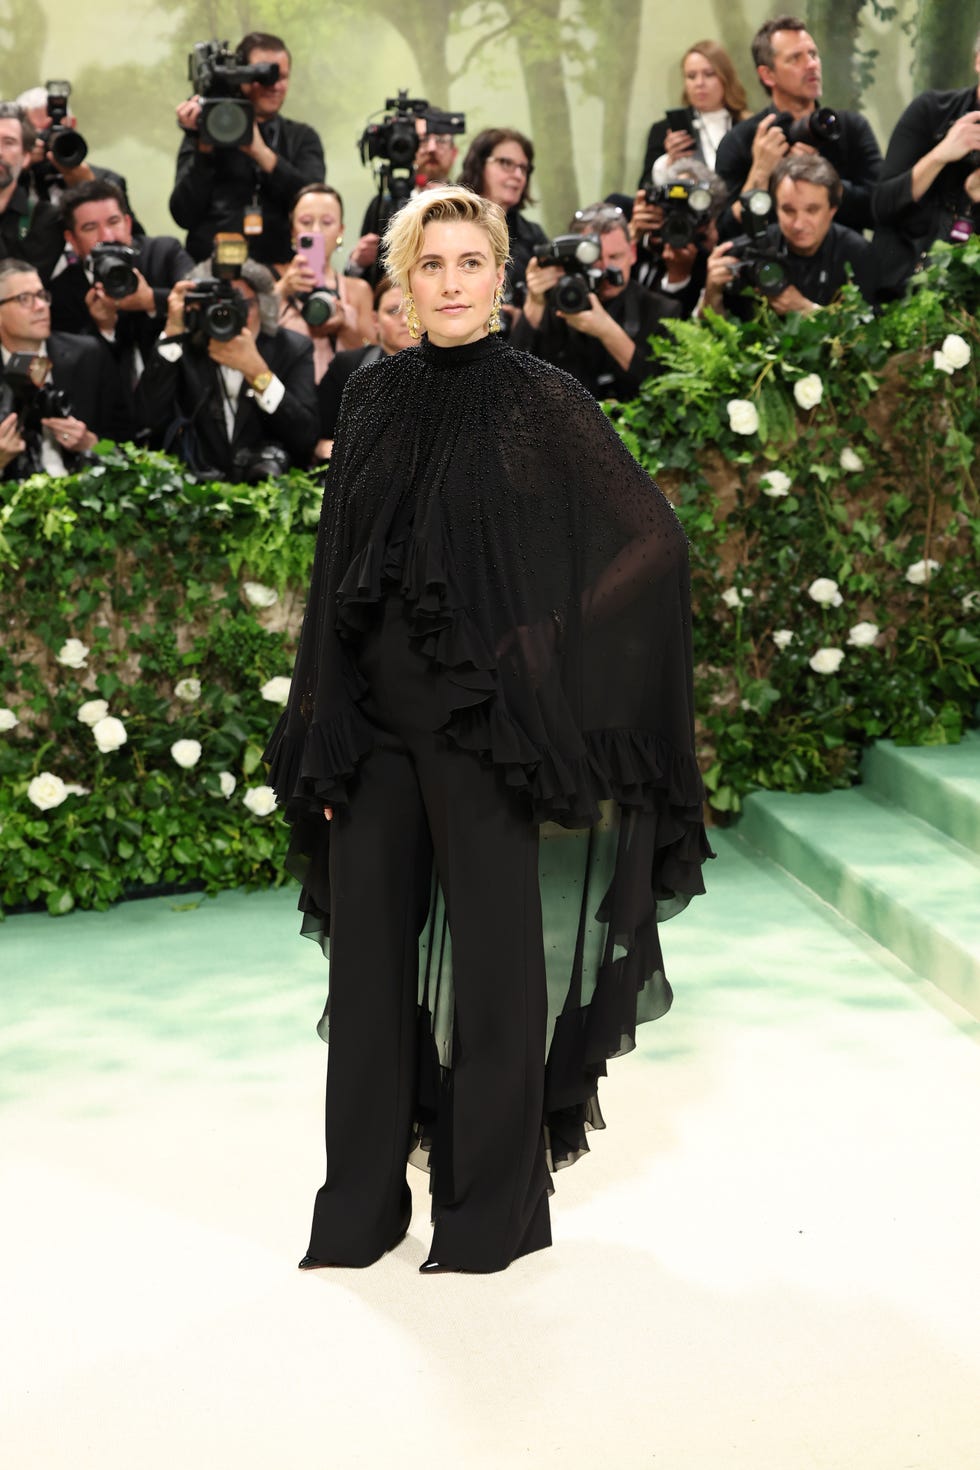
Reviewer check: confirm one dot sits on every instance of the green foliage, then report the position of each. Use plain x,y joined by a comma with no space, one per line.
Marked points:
880,475
187,599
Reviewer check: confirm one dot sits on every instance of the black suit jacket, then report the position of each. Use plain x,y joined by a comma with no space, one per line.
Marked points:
856,157
181,405
330,389
212,190
31,231
87,377
907,228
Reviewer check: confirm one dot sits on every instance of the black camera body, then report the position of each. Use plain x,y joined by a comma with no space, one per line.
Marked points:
217,76
25,391
114,268
264,462
393,143
755,260
820,126
687,209
576,255
214,310
67,146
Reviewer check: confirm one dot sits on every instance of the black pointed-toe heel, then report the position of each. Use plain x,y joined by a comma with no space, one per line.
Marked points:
313,1263
436,1268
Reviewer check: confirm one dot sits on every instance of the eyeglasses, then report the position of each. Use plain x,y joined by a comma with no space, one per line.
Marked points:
438,140
511,166
26,298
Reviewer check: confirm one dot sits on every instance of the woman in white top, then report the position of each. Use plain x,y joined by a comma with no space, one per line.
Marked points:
716,99
319,211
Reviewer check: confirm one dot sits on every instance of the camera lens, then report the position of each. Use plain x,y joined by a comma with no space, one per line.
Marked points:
68,148
572,295
223,320
226,121
770,277
318,308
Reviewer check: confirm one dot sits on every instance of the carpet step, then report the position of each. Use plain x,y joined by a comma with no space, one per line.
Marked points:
906,884
939,783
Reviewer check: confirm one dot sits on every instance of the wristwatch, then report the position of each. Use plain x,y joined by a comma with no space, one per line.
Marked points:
261,381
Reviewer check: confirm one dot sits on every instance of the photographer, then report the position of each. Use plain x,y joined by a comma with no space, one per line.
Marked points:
498,165
47,420
675,235
929,188
391,331
247,187
29,230
606,344
431,168
225,388
59,158
788,65
120,296
798,264
334,311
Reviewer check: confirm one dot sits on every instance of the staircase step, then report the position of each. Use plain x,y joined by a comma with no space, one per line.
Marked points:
902,882
939,783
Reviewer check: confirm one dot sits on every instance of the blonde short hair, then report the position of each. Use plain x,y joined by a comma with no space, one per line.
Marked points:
405,235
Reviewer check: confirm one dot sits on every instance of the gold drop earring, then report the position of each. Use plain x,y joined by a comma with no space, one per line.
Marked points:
412,318
494,323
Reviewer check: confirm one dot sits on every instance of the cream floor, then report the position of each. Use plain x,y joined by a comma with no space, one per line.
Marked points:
769,1260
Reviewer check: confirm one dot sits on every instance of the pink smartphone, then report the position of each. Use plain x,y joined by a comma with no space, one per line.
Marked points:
313,249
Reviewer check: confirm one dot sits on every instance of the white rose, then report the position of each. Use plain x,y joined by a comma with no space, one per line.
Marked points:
825,591
276,690
743,416
775,484
109,734
735,597
258,595
72,654
260,800
850,461
188,689
921,571
808,391
827,660
967,603
942,363
46,791
227,783
8,719
862,635
186,753
783,637
956,351
92,711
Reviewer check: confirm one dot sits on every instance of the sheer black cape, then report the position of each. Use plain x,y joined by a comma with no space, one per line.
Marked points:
545,577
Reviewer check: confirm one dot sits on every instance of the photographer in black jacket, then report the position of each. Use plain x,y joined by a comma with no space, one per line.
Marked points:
800,263
606,346
239,405
30,229
930,181
248,188
788,65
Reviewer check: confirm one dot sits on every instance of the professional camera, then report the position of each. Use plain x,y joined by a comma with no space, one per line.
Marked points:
217,76
820,126
214,309
316,307
25,391
114,269
577,256
754,259
265,462
686,206
394,142
67,147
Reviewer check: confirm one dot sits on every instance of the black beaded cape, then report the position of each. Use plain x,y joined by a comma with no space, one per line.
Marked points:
545,578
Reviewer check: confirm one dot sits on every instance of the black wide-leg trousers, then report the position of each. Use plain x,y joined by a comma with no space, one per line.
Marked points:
416,798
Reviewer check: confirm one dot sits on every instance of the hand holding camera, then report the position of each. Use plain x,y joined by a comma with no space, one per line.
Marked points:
769,145
12,441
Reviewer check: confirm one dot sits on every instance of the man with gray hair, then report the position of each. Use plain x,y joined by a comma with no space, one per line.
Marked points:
238,407
806,247
929,188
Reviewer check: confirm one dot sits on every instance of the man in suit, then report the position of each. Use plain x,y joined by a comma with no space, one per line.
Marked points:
94,214
231,408
45,177
29,229
33,439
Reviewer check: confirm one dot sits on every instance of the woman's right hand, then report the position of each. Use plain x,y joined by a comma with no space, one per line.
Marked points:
297,279
677,145
328,813
12,441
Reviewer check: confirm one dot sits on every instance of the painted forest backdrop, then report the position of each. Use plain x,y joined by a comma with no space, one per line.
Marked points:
584,77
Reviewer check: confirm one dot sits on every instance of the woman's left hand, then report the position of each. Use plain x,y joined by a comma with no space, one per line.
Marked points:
328,813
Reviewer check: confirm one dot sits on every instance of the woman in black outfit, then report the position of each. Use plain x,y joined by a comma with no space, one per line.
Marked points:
498,165
497,635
